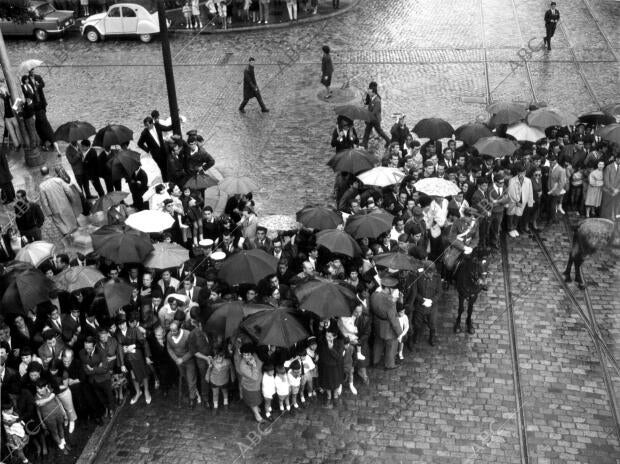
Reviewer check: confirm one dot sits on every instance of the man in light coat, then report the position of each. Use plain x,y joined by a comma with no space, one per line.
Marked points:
556,187
59,202
521,195
610,206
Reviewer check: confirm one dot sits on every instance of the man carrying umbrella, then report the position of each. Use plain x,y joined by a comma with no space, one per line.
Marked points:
91,168
373,101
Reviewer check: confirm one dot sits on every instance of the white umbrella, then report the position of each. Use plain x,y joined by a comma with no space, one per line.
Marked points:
150,221
35,253
25,66
522,132
436,187
381,176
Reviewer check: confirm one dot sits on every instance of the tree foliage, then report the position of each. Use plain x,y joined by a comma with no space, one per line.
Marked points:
16,10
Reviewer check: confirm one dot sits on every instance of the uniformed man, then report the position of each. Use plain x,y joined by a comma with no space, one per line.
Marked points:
424,294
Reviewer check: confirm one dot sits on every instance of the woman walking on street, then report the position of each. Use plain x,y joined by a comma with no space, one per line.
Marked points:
327,69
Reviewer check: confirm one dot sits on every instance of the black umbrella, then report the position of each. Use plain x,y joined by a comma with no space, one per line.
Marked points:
319,217
597,118
324,298
24,290
200,182
353,113
124,163
74,130
433,128
113,134
469,134
121,244
353,160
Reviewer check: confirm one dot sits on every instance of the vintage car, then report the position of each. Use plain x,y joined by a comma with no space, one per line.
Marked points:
122,19
41,21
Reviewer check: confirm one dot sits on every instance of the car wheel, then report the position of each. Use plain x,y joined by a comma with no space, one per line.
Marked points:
92,35
146,38
41,35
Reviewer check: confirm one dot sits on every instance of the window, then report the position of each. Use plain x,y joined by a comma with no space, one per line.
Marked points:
114,13
128,13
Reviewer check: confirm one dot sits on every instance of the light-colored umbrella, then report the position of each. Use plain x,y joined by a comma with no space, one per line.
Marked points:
547,117
166,255
496,107
382,176
523,132
150,221
237,185
77,278
612,134
35,253
436,187
25,66
495,146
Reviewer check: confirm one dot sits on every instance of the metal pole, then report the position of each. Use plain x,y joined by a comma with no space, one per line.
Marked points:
165,50
31,154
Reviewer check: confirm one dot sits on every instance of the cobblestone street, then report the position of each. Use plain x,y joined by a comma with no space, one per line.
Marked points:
453,403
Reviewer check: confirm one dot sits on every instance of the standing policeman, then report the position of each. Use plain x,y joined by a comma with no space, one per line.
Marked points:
426,290
552,16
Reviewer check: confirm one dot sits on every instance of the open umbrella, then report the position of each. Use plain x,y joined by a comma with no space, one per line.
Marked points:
324,298
471,133
522,132
109,200
124,163
227,317
237,185
319,217
354,113
277,328
433,128
150,221
499,106
603,130
166,255
353,160
597,118
506,116
612,134
35,253
24,289
112,134
399,261
248,267
121,244
546,117
117,294
613,109
77,278
199,182
381,176
437,187
495,146
26,66
215,198
338,241
369,225
73,131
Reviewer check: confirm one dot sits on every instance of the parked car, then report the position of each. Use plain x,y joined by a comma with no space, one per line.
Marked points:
43,21
121,19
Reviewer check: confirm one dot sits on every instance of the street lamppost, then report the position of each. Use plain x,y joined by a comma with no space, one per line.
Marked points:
165,49
32,155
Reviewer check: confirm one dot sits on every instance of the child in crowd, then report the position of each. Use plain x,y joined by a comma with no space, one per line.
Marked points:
283,388
294,380
307,381
404,324
187,14
27,357
15,432
224,14
268,388
312,359
51,414
349,352
64,393
220,374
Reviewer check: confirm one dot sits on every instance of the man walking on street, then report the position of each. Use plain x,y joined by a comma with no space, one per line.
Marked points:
250,88
373,101
552,17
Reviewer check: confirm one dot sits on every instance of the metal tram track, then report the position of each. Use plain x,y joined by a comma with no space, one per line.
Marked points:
514,354
603,353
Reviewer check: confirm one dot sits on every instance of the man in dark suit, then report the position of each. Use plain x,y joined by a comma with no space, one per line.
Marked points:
76,160
103,165
250,88
91,167
373,101
6,252
387,328
71,327
189,290
261,241
95,364
552,17
152,141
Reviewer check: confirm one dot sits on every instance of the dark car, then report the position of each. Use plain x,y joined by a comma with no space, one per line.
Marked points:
41,20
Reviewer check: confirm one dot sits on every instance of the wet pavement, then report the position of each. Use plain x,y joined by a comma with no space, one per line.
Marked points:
452,403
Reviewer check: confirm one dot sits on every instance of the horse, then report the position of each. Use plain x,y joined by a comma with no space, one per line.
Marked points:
591,235
469,277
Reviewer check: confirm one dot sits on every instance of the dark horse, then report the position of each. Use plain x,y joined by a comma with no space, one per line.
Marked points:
469,277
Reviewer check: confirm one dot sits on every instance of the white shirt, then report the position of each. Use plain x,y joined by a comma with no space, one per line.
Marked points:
268,386
154,134
282,385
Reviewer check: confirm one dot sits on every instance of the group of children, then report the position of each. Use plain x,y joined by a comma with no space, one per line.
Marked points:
217,12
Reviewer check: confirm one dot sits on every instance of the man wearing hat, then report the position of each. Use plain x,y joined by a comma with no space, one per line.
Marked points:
250,88
498,197
423,293
385,323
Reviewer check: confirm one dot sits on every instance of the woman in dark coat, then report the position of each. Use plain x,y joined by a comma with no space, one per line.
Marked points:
327,69
331,365
344,136
134,354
